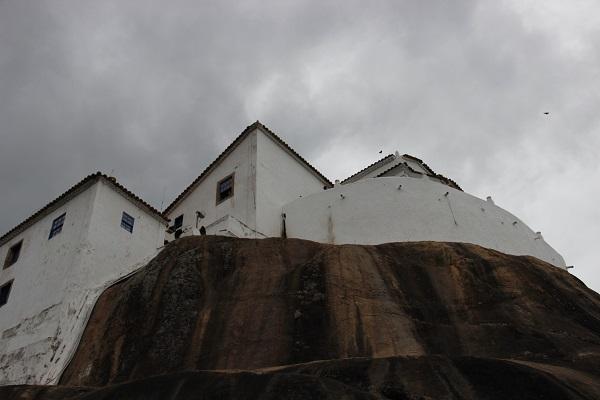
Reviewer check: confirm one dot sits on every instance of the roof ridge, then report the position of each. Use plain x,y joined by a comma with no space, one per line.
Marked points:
421,162
94,176
367,167
403,163
294,152
135,197
435,174
429,172
255,125
446,181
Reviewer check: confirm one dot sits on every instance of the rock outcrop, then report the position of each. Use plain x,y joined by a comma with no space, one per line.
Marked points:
233,318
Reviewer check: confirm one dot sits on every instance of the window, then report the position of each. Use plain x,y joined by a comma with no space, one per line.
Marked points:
127,222
178,223
5,292
176,228
13,254
225,189
57,225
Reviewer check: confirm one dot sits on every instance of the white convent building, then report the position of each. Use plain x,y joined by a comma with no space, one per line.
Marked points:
57,262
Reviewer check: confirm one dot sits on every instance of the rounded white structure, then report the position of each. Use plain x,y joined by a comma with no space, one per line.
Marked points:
411,208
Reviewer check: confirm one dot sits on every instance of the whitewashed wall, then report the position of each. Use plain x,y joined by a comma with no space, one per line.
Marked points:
108,253
30,321
266,177
374,211
242,206
111,250
280,178
57,281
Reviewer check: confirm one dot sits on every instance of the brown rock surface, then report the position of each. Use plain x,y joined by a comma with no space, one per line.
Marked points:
429,319
396,378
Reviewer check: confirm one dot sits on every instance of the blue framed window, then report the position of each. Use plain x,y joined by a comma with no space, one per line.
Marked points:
127,222
57,225
225,188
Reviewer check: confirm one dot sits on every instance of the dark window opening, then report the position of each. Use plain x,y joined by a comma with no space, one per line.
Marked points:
13,254
57,225
127,222
5,292
225,189
178,223
202,230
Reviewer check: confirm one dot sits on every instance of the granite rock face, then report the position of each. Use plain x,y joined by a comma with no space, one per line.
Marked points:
286,318
395,378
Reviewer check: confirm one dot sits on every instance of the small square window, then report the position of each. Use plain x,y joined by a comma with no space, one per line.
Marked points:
57,225
127,222
13,254
5,292
225,189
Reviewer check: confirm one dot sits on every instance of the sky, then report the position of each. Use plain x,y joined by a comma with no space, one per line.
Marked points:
153,91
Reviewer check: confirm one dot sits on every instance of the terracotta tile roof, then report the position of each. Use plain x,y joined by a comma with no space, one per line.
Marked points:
230,148
420,162
390,157
72,192
404,164
449,182
430,173
441,177
377,163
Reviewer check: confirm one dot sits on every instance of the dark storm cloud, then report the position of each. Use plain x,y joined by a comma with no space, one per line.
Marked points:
154,91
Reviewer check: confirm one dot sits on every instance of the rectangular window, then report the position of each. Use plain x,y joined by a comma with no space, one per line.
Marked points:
178,223
13,254
5,292
57,225
127,222
225,189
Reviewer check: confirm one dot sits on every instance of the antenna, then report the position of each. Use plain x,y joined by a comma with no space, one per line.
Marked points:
162,200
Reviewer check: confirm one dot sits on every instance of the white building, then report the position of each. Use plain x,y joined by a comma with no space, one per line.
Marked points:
259,187
242,192
400,199
56,264
59,260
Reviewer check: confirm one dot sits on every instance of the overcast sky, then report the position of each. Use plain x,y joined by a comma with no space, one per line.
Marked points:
153,91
